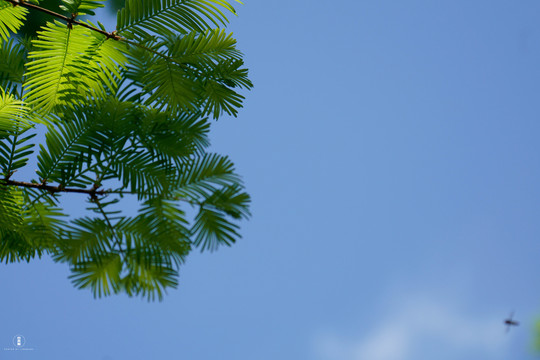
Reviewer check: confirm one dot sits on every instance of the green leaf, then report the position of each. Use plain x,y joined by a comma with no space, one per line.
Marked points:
175,135
166,16
81,7
14,152
102,276
220,98
148,279
140,171
44,222
15,248
13,55
11,210
69,148
219,81
161,227
11,18
87,239
211,229
203,49
198,73
232,200
14,245
171,86
71,65
203,176
14,114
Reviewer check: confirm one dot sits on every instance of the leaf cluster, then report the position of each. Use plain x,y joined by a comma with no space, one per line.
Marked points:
123,114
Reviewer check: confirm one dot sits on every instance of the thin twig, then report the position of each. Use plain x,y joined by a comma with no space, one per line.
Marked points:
68,20
110,35
93,191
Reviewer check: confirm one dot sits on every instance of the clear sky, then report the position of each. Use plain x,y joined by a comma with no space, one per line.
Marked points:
392,152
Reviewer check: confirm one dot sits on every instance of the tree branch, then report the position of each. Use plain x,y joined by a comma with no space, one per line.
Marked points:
68,20
93,191
71,20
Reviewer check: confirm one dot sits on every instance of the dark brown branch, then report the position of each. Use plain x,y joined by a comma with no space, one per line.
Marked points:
93,191
68,20
71,20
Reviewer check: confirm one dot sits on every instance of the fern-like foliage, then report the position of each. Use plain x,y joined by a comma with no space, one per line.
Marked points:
81,7
14,113
70,65
13,55
122,116
138,18
11,19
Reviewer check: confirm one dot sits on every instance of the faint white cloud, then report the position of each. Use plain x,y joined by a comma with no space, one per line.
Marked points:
414,325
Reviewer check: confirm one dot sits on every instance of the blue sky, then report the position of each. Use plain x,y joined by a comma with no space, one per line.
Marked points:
391,150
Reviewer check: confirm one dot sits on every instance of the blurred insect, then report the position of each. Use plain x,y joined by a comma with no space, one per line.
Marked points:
510,322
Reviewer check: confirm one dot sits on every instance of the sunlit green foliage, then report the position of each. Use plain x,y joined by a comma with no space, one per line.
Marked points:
118,114
11,18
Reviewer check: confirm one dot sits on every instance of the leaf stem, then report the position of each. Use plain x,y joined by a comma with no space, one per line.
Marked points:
117,241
